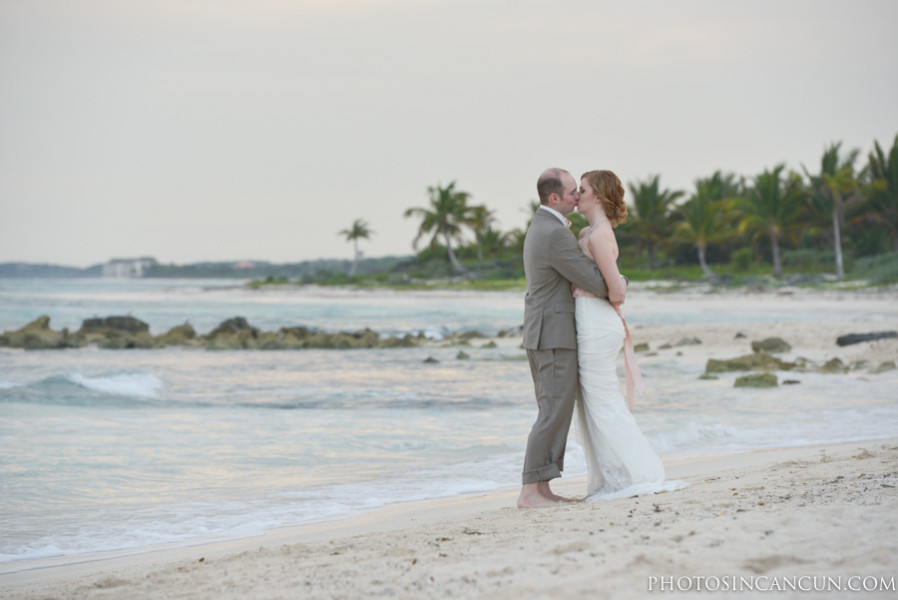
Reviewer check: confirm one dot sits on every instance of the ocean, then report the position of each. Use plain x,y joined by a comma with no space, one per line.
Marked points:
125,450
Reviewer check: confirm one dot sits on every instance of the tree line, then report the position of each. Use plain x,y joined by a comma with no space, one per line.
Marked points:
844,206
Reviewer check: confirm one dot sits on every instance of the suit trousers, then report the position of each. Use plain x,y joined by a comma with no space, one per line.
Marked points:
555,381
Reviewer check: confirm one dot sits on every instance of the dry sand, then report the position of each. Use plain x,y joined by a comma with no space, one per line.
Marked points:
787,513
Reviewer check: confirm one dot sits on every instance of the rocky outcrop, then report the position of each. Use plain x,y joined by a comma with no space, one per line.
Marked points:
756,380
759,361
773,345
182,335
883,367
37,335
114,333
232,334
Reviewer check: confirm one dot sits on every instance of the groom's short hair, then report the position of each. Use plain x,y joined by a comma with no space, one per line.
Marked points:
550,183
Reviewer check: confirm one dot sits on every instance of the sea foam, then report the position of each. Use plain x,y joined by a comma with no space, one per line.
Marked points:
137,385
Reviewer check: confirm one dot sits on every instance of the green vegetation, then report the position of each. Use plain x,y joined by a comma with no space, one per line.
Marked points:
776,227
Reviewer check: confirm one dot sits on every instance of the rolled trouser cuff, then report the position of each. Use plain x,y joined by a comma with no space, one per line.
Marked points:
542,474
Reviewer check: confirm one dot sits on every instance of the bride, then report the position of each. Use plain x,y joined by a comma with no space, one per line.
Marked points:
619,461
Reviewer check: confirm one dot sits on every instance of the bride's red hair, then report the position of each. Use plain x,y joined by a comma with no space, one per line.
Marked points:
608,187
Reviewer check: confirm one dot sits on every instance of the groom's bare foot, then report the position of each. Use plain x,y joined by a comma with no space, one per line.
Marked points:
547,492
532,498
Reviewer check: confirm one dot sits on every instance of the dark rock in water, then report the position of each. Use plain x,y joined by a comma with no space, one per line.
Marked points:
790,382
233,334
511,332
756,380
665,347
431,359
883,367
740,335
857,338
859,365
468,335
230,326
127,324
774,345
182,335
642,347
462,355
694,341
490,344
834,365
116,333
36,335
706,376
759,361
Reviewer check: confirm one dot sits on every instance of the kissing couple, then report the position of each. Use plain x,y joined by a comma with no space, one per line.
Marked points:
573,333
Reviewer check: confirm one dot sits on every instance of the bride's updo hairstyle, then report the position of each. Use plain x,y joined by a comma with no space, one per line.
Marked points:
608,187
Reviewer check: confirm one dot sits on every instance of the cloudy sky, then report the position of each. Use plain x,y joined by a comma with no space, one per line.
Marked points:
197,130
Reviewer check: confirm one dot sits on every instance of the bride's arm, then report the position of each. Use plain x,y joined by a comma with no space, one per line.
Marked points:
603,246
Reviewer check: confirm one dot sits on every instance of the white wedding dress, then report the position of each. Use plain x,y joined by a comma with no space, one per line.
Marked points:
619,460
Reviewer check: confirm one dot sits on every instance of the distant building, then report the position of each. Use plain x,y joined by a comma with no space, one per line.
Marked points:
123,268
245,264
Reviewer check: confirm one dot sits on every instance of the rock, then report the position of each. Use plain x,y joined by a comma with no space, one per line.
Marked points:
756,380
834,365
511,332
126,324
233,334
759,361
706,376
466,336
642,347
883,367
431,359
36,335
790,382
182,335
693,341
117,333
665,347
804,365
774,345
740,335
490,344
406,341
859,365
857,338
462,355
651,354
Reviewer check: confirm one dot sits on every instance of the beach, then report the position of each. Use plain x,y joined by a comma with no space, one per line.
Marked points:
179,473
809,516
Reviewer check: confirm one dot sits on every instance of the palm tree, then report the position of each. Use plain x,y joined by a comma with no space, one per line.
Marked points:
479,219
883,189
653,213
359,230
494,241
774,208
836,179
447,212
705,218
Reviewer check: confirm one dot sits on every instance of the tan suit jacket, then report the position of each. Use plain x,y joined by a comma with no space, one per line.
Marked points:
552,261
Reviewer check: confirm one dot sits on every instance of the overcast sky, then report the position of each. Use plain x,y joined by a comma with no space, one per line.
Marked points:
194,130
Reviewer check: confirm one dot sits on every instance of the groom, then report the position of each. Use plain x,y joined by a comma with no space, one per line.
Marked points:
552,262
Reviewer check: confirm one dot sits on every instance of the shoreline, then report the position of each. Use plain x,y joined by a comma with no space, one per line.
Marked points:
716,482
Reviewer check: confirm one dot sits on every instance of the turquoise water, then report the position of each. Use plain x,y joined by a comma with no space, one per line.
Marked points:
122,450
